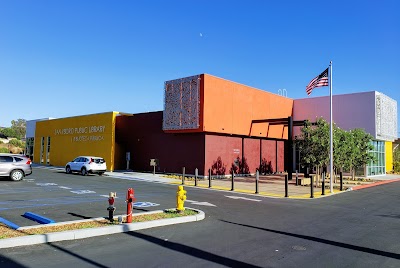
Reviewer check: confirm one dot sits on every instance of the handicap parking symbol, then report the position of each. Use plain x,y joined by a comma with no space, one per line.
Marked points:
145,204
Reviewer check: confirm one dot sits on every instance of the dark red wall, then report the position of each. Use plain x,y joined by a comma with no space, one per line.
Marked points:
252,154
269,153
281,156
221,149
142,135
225,149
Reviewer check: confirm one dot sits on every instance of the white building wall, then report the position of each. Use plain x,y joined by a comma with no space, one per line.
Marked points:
372,111
349,111
31,126
386,117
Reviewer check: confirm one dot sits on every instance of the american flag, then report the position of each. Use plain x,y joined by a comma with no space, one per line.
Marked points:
319,81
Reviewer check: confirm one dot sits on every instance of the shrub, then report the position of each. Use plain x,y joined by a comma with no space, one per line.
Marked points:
17,143
4,150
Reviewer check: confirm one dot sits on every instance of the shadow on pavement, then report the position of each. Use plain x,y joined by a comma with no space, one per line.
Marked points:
96,264
6,262
79,216
391,216
198,253
325,241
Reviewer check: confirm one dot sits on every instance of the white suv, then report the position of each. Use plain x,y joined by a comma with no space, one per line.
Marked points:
86,164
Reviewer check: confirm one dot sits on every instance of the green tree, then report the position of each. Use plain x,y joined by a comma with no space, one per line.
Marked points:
313,144
19,127
343,152
351,149
9,132
396,159
362,149
303,142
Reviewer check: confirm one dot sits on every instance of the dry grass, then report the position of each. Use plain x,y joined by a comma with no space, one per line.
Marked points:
6,232
13,149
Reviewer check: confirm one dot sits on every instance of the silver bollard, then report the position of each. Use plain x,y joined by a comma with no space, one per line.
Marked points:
196,174
257,178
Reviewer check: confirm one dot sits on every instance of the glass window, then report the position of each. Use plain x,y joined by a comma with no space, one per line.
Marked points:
29,147
41,150
48,151
377,165
6,159
99,160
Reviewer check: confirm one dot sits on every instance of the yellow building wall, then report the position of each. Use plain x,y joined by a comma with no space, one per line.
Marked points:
389,155
87,135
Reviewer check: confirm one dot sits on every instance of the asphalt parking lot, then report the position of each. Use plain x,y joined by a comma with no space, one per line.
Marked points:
66,197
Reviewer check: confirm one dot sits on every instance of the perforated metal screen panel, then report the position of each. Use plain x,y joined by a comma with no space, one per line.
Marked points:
182,103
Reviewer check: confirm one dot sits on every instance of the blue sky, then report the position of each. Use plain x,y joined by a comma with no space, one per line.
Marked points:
66,58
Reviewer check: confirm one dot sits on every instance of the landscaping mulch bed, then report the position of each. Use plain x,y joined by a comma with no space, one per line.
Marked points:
6,232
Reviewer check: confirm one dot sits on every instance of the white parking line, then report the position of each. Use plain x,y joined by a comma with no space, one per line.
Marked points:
46,184
83,192
244,198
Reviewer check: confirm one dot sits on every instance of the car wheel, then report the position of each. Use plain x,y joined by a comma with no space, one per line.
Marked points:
83,171
68,170
17,175
101,173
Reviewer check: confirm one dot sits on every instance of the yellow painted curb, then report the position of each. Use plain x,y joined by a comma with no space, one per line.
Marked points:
304,196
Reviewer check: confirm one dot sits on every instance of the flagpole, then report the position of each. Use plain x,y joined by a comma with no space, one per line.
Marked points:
331,128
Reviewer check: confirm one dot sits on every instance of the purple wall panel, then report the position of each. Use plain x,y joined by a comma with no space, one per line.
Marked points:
349,110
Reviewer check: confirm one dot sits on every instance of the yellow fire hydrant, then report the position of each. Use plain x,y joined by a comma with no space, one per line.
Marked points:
180,199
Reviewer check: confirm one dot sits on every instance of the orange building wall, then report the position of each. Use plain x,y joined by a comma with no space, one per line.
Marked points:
229,107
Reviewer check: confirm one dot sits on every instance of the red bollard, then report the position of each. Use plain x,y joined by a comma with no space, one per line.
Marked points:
129,199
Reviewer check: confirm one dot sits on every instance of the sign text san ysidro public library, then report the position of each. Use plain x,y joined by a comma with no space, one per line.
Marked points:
82,130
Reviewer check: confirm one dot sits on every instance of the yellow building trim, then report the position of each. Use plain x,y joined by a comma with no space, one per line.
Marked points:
87,135
389,156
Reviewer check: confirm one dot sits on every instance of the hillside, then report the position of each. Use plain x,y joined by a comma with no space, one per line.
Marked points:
10,148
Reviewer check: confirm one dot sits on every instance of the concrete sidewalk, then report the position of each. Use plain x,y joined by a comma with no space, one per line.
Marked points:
271,186
274,187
